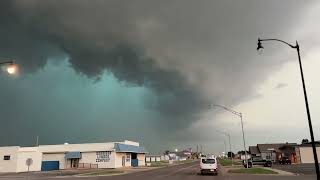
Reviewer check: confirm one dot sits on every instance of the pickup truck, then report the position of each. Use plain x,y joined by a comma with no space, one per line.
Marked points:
284,160
257,161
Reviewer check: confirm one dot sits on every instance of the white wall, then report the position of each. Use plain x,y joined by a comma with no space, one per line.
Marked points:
36,157
306,154
9,165
91,157
148,159
158,159
153,159
18,156
91,147
141,159
55,157
128,160
118,159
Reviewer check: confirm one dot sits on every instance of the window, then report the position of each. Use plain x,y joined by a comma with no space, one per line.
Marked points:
208,161
128,157
268,157
7,157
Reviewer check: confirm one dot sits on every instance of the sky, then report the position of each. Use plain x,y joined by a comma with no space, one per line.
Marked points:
100,71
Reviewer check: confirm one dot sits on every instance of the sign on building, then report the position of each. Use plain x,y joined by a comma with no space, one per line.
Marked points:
103,156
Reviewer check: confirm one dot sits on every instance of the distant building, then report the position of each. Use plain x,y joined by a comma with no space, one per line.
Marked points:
305,154
154,158
274,152
67,156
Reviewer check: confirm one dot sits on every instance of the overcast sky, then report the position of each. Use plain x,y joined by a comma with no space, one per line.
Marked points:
98,71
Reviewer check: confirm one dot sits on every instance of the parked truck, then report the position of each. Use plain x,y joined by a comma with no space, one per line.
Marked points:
257,161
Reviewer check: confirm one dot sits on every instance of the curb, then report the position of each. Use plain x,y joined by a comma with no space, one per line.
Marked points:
281,172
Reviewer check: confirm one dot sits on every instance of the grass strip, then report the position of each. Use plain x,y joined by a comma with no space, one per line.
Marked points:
228,162
252,171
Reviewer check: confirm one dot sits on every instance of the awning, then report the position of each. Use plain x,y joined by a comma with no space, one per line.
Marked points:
128,148
73,155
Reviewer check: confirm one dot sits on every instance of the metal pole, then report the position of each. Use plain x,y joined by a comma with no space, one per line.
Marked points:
315,156
225,146
230,149
244,141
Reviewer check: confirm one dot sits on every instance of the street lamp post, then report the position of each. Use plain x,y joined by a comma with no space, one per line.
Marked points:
305,98
243,137
228,135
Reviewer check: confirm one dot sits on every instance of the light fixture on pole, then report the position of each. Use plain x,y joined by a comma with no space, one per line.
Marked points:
11,67
243,136
315,156
230,149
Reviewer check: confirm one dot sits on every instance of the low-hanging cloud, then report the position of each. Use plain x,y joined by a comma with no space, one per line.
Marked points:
189,53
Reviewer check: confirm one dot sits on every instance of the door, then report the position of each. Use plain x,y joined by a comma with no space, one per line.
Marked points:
75,163
49,165
123,161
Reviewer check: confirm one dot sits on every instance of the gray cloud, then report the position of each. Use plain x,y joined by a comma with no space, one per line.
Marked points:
189,53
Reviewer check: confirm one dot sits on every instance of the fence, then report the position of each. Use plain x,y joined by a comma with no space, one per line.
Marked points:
88,166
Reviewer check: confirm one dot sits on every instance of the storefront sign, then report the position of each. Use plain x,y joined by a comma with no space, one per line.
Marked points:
103,156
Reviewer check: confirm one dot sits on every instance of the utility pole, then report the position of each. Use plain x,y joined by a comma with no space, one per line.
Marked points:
225,146
37,142
314,148
243,137
230,149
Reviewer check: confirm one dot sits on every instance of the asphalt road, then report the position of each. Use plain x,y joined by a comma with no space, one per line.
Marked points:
181,172
297,168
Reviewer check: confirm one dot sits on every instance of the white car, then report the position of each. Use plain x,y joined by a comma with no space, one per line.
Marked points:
208,165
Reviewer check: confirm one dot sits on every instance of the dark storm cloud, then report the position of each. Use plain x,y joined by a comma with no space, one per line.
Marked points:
189,53
93,41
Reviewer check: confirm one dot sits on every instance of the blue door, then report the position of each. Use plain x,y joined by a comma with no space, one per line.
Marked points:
49,165
134,162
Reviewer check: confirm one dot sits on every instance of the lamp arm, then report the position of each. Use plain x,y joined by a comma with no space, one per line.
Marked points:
230,110
279,40
6,62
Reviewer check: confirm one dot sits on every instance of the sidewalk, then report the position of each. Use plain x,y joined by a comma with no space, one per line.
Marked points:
281,172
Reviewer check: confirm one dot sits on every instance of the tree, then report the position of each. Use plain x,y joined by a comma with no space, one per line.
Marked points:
230,154
304,141
167,152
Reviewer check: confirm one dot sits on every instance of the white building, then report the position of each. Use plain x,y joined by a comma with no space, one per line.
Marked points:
66,156
153,158
304,153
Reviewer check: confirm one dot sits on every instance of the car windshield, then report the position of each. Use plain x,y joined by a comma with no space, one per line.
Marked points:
208,161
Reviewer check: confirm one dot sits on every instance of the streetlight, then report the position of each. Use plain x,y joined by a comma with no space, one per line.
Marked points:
12,68
243,137
228,135
305,98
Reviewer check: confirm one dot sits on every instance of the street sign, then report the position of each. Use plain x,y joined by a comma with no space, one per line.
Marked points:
29,162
